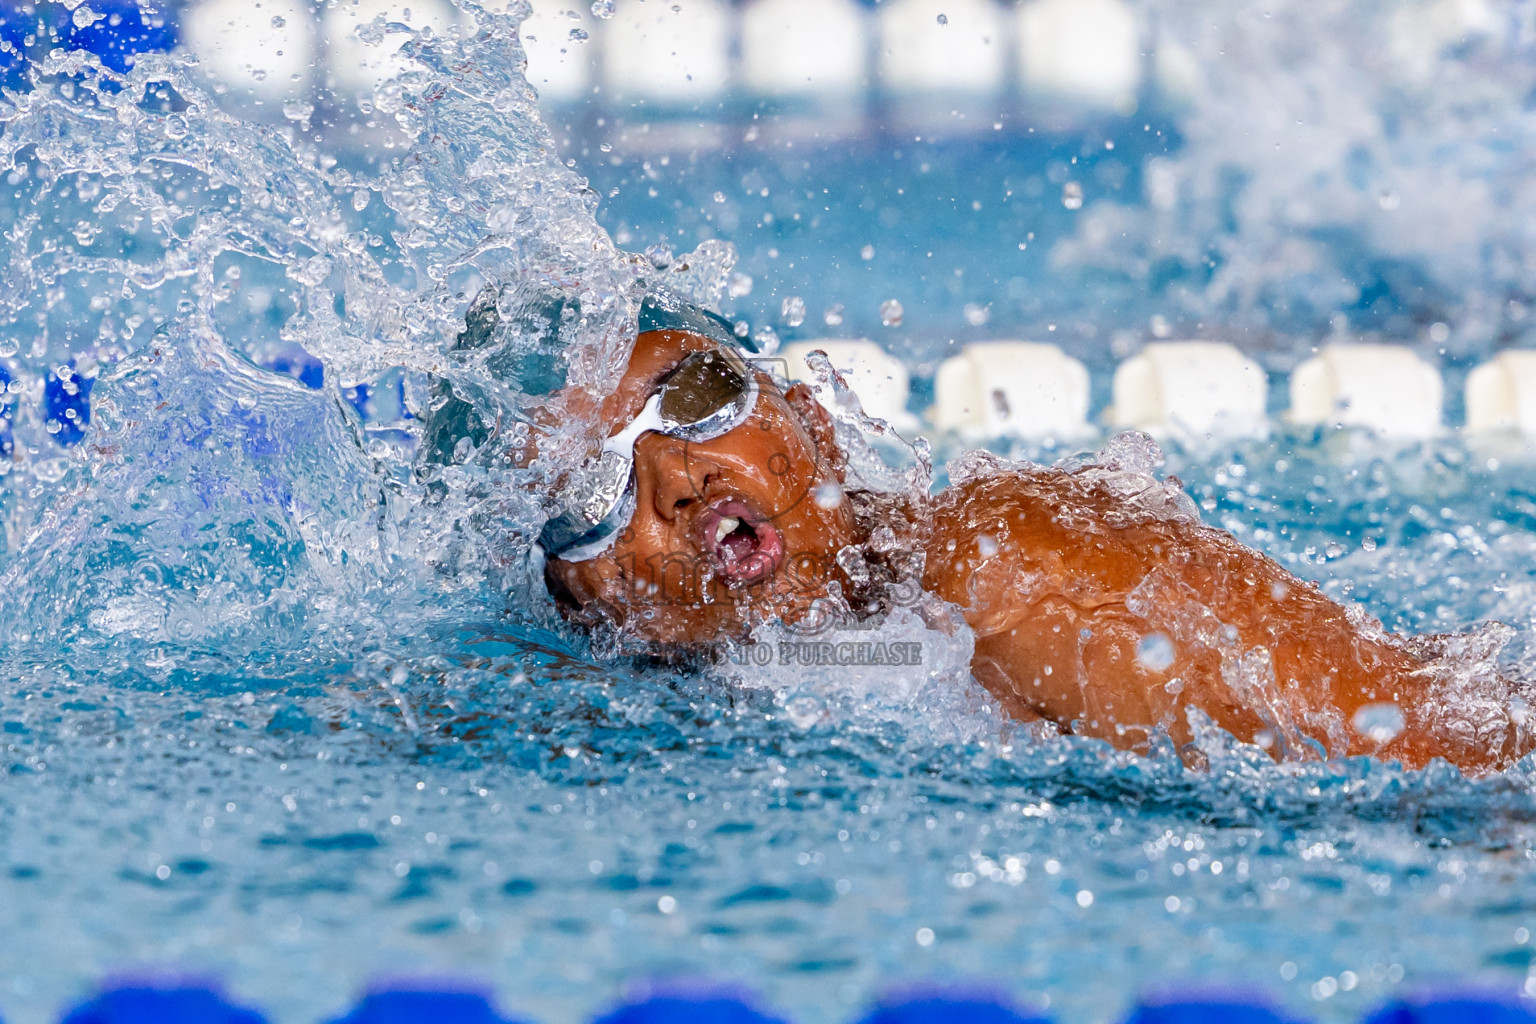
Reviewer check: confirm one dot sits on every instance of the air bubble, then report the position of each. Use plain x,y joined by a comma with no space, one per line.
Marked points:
1380,723
943,19
1154,652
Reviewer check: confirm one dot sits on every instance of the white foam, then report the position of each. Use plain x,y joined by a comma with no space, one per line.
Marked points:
1501,394
675,53
1190,389
963,54
879,379
1385,388
1012,388
1087,51
266,47
804,47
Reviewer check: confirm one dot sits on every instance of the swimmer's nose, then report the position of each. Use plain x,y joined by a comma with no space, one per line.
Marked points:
678,476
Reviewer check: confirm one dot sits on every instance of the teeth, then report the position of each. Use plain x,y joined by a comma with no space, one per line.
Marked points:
726,527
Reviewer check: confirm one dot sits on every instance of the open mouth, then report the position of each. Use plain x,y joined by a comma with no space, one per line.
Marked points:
743,546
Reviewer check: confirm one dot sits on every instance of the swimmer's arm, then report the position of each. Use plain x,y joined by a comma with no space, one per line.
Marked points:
1115,631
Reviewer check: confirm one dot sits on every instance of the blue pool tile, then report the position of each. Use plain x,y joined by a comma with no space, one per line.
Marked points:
1455,1008
1218,1007
67,403
152,1005
680,1009
422,1006
938,1009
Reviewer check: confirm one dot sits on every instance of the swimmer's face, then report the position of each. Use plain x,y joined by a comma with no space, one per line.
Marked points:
726,532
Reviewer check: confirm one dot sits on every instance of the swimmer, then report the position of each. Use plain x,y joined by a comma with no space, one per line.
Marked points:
1099,602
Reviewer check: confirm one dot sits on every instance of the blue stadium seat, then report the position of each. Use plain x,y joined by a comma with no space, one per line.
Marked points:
1454,1008
67,402
1207,1008
681,1009
150,1005
936,1009
422,1006
123,30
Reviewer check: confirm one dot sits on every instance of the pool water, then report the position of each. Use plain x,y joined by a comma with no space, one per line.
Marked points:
275,709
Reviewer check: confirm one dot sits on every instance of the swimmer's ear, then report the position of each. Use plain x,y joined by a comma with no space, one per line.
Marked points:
818,423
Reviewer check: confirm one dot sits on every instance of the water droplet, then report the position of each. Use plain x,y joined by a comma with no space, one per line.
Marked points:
867,253
829,495
85,17
1072,195
943,19
793,310
175,127
279,22
833,316
298,110
578,35
1380,723
659,255
804,710
740,286
976,315
602,9
360,199
891,313
1154,652
924,937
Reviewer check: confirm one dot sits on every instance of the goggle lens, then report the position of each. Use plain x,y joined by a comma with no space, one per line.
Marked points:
705,387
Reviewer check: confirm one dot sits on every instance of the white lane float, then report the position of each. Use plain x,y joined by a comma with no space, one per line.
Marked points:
942,46
675,54
1384,388
1501,394
879,379
804,48
264,49
557,39
1082,51
1192,390
1012,389
355,66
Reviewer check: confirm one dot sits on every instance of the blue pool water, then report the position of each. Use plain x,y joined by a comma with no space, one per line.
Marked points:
275,709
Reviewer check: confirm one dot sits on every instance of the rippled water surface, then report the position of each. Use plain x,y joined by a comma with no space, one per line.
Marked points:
275,706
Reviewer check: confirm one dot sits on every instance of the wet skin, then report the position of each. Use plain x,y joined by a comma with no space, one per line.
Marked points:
670,577
1107,622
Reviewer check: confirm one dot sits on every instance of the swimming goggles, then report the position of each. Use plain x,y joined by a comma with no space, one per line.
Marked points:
705,396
